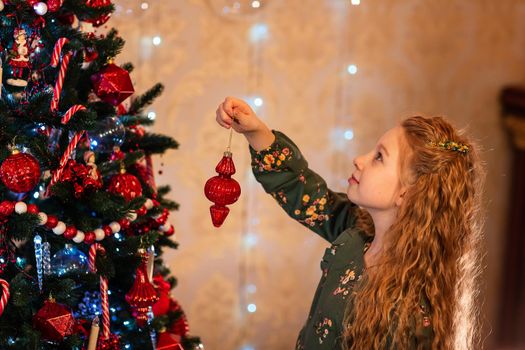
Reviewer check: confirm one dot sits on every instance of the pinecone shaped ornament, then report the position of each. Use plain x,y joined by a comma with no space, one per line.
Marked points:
222,190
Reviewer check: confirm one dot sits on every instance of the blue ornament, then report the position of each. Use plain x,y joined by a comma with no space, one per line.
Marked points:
89,307
69,259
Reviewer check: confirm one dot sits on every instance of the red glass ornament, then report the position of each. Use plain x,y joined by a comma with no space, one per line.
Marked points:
112,84
100,20
112,343
7,208
127,185
168,341
222,189
142,294
20,172
54,321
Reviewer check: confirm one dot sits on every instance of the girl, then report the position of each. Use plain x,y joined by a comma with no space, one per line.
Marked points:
404,256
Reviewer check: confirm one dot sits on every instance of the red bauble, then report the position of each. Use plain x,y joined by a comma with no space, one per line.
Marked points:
100,20
222,189
54,321
7,208
168,341
20,172
162,306
127,185
142,294
112,84
54,5
112,343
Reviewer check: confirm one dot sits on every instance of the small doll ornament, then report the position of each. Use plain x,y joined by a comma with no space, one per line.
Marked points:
89,158
18,64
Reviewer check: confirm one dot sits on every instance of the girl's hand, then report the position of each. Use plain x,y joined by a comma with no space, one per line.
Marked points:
237,114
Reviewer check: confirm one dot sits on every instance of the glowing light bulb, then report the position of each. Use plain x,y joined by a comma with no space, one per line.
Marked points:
352,69
251,308
144,5
355,2
157,40
152,115
258,101
256,4
349,134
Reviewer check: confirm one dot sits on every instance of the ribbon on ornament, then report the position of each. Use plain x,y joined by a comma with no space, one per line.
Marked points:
93,250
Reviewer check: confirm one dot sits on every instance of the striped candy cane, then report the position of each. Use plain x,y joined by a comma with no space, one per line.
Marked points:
71,112
55,58
5,295
65,157
96,247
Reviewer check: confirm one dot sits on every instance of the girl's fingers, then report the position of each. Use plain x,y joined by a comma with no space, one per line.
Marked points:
228,105
226,119
220,120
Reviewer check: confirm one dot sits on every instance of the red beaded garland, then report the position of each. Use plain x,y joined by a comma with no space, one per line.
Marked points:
32,209
124,223
89,237
52,222
70,232
107,231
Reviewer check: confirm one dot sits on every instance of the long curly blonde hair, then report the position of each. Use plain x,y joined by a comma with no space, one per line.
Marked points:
432,250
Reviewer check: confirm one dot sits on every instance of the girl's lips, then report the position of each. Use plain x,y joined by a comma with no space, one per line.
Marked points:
353,180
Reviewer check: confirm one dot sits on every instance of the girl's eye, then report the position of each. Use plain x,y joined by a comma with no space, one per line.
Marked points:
379,156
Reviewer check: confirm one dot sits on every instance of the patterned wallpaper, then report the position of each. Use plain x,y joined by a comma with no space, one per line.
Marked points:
412,56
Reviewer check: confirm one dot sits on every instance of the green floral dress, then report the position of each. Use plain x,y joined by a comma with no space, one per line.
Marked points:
303,194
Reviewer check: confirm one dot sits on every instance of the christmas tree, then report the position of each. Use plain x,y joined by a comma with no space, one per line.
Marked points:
82,223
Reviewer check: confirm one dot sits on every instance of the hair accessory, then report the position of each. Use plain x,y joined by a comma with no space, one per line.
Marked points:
451,146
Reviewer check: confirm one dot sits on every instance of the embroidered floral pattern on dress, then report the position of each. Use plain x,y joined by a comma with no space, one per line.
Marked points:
345,287
312,211
323,328
271,159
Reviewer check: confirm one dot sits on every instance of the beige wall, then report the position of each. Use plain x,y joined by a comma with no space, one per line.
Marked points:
437,57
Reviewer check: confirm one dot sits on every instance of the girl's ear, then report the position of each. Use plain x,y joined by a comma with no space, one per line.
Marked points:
400,197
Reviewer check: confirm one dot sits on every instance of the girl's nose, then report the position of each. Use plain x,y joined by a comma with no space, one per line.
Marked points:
358,162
